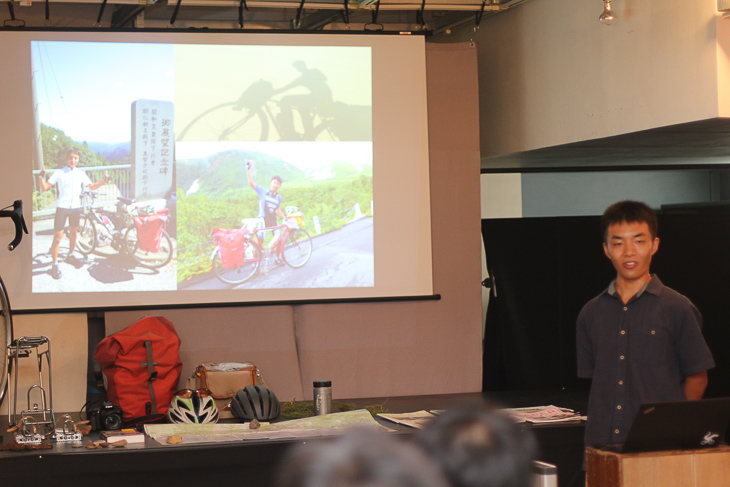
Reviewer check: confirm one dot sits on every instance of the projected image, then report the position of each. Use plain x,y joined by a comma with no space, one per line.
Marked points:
103,167
273,93
275,215
164,167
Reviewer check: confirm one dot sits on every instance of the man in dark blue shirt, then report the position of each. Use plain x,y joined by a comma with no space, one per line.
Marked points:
639,341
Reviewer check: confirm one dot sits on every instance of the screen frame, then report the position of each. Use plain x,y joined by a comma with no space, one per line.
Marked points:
195,34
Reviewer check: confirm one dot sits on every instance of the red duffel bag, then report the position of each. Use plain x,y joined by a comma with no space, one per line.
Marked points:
141,366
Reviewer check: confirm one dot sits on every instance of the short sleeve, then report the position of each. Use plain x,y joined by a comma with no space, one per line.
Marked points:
694,354
54,178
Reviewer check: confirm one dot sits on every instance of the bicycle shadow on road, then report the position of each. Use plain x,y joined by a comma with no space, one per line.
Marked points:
41,266
48,232
110,271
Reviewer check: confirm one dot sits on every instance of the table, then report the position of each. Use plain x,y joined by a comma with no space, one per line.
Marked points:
255,462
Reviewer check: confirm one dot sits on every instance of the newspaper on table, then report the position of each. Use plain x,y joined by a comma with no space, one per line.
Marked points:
543,414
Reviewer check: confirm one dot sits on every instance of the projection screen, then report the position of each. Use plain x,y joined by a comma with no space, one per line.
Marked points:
202,168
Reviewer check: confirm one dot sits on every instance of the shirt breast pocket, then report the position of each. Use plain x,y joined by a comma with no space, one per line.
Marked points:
652,346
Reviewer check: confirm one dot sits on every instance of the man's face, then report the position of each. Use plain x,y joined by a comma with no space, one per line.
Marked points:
275,185
630,248
72,160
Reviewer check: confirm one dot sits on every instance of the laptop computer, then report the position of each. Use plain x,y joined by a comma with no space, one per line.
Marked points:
677,425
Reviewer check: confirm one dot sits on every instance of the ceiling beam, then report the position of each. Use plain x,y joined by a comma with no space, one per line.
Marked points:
124,14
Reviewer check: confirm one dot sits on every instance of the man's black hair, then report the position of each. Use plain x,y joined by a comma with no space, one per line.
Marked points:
630,212
477,445
278,178
72,150
359,458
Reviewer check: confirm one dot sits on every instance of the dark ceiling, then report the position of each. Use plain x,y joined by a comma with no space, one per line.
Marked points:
432,16
701,144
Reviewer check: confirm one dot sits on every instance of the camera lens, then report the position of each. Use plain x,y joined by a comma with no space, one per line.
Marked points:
113,422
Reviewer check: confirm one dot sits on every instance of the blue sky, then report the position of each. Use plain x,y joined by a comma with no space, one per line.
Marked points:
86,88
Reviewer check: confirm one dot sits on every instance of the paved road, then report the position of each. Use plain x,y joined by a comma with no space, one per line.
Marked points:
105,270
343,258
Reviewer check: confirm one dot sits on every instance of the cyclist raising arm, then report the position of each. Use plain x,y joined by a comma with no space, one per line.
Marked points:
71,183
269,201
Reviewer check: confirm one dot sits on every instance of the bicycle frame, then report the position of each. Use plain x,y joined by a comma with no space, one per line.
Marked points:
124,235
250,119
6,315
16,214
259,241
293,248
96,214
317,128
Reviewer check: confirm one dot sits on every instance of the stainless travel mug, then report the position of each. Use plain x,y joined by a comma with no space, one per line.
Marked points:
322,397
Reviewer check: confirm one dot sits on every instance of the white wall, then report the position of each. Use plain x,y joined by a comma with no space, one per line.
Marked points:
67,337
501,195
550,73
589,193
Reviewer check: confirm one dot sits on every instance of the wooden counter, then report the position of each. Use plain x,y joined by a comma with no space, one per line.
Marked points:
688,468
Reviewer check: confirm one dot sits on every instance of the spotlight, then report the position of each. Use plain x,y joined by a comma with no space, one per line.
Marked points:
607,17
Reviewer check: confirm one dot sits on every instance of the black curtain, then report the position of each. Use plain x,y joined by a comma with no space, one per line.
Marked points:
545,269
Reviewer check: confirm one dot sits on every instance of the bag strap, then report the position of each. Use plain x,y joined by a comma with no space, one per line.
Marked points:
260,378
138,423
150,408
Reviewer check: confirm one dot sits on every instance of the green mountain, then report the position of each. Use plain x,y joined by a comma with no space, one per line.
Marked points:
221,173
56,142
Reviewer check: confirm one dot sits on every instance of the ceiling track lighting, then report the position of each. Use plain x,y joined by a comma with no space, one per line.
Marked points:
175,12
101,12
374,25
12,21
346,15
298,21
241,7
479,15
607,17
419,17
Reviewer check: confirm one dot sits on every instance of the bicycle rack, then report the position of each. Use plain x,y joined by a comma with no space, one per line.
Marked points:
38,422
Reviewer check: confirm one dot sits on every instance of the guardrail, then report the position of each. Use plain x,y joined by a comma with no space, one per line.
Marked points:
120,185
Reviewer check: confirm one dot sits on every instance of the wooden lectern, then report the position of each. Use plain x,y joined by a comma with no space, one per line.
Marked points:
687,468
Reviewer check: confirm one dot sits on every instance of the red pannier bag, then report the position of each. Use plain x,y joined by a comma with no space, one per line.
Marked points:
141,366
231,244
149,231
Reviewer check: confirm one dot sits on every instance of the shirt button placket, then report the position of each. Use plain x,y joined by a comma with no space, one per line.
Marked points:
622,369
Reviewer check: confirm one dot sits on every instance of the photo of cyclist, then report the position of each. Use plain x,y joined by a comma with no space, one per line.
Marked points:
71,183
269,202
318,99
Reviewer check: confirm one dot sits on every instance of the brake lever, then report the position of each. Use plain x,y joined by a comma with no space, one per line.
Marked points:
16,214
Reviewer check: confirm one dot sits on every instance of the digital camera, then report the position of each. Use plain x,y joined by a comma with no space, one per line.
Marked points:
105,416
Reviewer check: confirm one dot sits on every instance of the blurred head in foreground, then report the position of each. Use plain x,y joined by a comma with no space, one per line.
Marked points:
479,446
359,458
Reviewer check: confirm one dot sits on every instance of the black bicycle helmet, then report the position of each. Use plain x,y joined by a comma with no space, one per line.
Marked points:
255,402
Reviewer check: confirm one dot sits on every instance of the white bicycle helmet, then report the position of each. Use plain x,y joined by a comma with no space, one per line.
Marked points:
189,406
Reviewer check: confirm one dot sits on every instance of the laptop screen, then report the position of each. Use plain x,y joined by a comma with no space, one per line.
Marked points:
678,425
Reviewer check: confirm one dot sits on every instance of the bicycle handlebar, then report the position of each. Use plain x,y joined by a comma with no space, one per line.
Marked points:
17,216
